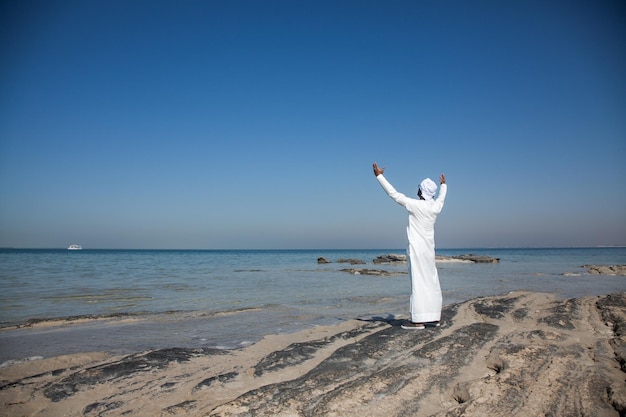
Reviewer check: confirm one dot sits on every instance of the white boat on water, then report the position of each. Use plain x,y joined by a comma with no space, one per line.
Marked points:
74,247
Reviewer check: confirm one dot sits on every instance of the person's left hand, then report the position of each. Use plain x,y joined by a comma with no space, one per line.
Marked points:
378,171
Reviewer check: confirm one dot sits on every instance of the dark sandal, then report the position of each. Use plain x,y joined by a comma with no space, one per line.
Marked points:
413,326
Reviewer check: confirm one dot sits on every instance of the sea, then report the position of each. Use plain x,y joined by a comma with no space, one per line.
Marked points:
57,301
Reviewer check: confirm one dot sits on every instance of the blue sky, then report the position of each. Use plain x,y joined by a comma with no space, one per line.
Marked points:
254,124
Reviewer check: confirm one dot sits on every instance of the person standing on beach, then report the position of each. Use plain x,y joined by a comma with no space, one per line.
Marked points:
426,299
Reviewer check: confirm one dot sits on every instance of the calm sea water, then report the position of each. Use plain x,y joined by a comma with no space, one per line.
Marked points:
193,298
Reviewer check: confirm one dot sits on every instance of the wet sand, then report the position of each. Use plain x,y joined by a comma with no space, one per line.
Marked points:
521,354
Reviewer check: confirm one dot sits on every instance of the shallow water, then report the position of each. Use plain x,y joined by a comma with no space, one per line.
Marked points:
233,298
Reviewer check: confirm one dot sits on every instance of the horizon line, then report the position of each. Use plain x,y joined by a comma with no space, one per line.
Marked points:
317,249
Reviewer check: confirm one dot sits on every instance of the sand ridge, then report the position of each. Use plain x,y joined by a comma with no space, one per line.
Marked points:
520,354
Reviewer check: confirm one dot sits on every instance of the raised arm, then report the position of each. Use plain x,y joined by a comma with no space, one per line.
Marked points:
443,191
391,192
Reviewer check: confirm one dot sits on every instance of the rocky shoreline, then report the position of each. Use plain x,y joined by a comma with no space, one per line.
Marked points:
606,269
520,354
394,258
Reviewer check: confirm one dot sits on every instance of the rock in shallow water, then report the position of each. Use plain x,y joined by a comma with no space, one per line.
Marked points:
606,269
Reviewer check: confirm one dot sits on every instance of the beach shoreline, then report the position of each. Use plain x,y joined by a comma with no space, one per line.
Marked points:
522,353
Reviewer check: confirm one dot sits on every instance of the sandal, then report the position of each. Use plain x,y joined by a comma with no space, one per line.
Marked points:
413,326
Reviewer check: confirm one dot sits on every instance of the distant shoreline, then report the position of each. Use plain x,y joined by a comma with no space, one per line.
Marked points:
320,250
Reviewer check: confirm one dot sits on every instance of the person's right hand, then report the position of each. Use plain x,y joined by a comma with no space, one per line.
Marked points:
442,179
378,171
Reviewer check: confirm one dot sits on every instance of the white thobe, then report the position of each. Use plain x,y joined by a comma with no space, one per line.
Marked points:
426,299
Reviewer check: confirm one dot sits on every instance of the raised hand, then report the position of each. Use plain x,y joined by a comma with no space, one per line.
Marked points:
378,171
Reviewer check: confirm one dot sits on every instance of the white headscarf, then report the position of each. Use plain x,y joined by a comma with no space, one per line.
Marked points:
429,188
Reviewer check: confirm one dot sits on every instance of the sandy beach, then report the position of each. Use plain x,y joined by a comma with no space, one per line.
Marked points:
521,354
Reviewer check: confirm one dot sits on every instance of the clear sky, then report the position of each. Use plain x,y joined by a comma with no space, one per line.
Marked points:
254,124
